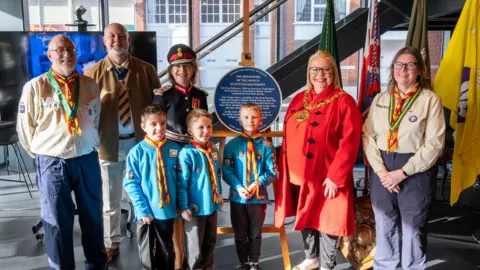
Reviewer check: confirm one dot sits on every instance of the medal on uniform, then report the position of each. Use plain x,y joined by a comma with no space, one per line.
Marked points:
301,115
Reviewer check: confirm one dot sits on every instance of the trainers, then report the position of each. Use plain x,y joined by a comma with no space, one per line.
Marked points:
243,266
255,266
308,264
111,252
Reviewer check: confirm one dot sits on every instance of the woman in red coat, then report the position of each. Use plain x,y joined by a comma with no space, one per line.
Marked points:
322,132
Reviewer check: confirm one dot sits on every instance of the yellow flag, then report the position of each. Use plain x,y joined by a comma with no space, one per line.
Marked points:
458,83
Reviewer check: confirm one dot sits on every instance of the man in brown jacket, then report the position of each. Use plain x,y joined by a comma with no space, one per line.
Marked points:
126,86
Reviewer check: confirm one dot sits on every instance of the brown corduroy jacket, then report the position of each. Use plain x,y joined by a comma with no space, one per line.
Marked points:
140,81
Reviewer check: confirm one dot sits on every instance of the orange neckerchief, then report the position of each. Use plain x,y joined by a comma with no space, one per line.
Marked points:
69,94
213,176
162,179
252,161
397,115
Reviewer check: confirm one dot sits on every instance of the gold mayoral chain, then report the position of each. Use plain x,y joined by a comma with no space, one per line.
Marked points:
305,113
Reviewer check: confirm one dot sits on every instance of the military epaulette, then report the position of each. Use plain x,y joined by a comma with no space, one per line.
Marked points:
267,142
161,90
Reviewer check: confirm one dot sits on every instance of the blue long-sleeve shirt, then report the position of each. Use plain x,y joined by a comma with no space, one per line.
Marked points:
235,167
195,186
141,180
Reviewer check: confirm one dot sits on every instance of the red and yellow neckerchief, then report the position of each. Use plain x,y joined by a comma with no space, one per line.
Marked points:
213,175
69,99
162,179
396,114
252,161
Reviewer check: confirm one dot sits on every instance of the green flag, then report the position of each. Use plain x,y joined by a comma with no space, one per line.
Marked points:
328,37
418,31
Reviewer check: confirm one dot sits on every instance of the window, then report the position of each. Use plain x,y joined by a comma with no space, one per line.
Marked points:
167,11
314,10
266,18
220,11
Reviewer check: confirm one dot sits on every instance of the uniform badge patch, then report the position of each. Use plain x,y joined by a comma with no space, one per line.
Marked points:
21,108
131,175
197,169
412,118
259,157
259,152
267,143
173,152
215,156
240,154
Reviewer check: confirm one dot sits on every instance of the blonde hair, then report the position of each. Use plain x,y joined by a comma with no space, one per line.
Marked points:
195,114
194,65
422,78
327,56
253,106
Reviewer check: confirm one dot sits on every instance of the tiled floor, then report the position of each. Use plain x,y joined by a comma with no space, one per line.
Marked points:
450,245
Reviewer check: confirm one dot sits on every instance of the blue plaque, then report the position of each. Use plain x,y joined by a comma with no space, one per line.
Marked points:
243,85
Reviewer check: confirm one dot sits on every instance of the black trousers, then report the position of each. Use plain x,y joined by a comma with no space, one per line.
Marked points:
155,244
200,240
247,222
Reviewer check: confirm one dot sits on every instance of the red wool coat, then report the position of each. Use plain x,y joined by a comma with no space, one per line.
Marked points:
336,130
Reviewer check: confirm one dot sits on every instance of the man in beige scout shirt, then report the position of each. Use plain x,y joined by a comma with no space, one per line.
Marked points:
126,85
57,123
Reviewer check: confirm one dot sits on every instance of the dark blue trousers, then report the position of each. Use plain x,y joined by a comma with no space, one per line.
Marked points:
401,217
56,179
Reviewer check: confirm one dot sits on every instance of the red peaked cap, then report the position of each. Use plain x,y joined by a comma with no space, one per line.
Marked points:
180,54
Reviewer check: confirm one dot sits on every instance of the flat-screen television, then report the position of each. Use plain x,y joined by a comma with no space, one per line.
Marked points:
23,56
90,49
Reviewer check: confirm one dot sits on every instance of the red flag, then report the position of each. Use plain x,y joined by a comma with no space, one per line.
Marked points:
370,76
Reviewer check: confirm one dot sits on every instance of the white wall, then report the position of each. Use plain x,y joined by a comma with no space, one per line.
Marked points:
11,15
167,36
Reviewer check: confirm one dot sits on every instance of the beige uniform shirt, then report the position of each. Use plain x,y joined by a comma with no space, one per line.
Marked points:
422,131
41,125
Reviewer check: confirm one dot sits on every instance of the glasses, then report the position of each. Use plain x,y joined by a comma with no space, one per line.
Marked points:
324,70
64,50
399,65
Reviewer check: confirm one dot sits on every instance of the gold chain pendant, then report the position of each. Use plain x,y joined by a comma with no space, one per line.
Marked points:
301,115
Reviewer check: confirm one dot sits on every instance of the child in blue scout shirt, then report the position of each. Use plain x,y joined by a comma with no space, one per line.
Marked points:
249,166
151,183
200,192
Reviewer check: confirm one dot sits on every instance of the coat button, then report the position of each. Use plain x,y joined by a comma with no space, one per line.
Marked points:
186,98
293,111
314,124
318,113
311,140
187,110
309,155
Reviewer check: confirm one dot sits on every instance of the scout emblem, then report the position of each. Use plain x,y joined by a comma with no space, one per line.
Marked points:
130,175
267,143
21,109
240,154
259,152
215,156
197,169
412,118
173,152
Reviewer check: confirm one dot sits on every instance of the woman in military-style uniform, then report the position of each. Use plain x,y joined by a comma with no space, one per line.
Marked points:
181,96
179,99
